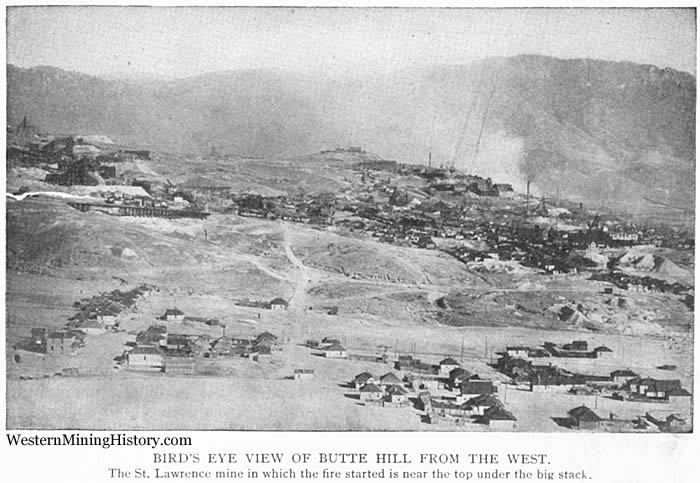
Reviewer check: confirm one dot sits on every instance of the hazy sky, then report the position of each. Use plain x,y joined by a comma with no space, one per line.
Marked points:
178,42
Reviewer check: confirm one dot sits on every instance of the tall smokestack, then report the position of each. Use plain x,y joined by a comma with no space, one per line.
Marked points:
430,159
527,203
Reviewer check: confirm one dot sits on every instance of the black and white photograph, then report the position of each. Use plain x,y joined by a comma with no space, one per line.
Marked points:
350,219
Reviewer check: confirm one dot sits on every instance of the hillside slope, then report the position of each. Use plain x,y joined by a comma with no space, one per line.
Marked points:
599,132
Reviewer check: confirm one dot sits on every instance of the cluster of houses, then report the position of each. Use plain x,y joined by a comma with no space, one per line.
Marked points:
96,315
446,392
574,349
385,391
103,312
50,341
643,284
317,209
158,349
585,418
524,365
472,400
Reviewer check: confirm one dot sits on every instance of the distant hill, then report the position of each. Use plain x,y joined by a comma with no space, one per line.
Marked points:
604,133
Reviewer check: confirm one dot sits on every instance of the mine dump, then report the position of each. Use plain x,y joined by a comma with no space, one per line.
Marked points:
455,255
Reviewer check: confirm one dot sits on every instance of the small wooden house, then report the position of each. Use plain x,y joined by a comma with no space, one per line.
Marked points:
173,315
279,304
362,379
583,417
371,392
498,418
389,379
335,351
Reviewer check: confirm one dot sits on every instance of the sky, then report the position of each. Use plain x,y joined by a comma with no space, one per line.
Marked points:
181,42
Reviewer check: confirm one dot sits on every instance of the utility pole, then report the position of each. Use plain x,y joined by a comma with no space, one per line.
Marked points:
461,357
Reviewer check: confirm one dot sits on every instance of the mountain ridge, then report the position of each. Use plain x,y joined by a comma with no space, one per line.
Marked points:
598,131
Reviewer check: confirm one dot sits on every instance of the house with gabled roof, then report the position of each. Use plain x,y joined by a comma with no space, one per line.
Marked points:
389,379
335,351
447,365
64,341
602,352
362,378
371,392
154,335
108,315
654,389
146,358
330,340
583,417
457,376
260,352
177,342
91,326
678,395
266,338
498,418
621,376
483,402
278,304
173,315
395,396
443,408
518,350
